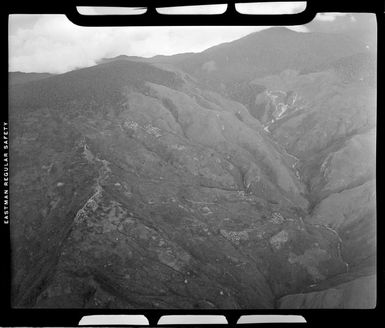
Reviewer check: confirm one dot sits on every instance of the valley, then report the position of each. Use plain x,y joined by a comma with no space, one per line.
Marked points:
174,183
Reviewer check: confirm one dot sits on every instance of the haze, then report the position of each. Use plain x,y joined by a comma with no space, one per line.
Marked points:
51,43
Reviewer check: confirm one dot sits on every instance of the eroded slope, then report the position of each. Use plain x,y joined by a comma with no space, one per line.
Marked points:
133,188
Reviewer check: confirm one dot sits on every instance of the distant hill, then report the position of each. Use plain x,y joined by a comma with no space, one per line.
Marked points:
21,77
107,80
268,52
121,57
155,59
258,54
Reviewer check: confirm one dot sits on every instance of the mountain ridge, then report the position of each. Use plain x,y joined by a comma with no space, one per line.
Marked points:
134,186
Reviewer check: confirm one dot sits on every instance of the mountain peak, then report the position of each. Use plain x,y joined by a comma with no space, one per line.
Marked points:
271,32
279,29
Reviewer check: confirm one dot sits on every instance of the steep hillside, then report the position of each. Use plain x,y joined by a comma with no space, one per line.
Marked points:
133,188
327,119
240,177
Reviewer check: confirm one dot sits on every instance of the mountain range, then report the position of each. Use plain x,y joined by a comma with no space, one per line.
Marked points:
241,177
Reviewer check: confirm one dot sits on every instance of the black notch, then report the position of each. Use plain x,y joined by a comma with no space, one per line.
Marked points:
152,18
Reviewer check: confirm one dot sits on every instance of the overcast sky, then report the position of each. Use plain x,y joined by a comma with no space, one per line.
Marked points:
51,43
